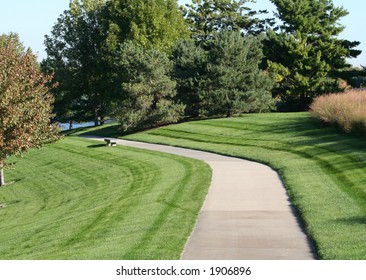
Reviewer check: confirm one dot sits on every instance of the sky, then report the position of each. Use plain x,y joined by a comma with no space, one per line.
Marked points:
33,19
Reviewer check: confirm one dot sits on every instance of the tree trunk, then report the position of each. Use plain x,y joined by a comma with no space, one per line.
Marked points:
2,179
96,121
102,120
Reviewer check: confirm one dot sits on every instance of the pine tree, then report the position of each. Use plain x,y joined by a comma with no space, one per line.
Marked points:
224,80
208,18
190,66
234,82
146,89
306,53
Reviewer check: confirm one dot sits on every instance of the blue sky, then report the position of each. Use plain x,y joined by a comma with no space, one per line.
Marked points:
33,19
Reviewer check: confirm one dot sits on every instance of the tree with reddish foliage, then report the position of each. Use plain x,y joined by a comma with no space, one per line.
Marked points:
25,104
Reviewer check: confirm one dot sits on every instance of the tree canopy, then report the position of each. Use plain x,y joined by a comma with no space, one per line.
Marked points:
85,41
208,18
25,102
76,56
153,24
306,52
224,80
146,89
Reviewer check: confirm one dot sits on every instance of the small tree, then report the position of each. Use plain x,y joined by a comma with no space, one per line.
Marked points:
25,105
146,89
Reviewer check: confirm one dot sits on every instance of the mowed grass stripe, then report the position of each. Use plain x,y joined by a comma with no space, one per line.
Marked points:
77,199
324,171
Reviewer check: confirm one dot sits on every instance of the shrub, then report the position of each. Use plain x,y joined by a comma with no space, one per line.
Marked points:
346,110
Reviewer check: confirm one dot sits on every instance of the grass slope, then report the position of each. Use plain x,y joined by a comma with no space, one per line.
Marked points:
324,171
77,199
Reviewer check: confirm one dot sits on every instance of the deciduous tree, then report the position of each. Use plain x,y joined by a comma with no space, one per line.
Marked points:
25,102
153,24
77,57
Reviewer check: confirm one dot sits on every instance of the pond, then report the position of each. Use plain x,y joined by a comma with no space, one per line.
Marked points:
66,126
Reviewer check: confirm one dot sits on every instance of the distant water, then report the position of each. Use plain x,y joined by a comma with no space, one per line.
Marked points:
66,126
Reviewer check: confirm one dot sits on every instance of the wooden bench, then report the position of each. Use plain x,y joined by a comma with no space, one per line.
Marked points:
110,142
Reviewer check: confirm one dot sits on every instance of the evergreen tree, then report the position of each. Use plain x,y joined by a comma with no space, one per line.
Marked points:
146,89
207,18
190,66
306,53
226,80
234,82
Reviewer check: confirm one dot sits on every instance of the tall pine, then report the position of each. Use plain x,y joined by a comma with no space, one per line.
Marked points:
306,53
207,18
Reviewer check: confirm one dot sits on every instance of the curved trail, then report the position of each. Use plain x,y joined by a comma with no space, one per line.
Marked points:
247,213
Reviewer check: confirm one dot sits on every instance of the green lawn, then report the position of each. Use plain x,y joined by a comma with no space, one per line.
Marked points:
77,199
324,171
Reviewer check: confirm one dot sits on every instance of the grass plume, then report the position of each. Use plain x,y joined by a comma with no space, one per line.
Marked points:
346,110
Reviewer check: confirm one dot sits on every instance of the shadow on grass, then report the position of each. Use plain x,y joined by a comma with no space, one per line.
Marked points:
105,131
96,146
108,130
361,220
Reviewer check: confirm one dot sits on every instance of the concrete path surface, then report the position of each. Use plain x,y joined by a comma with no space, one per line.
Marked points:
247,213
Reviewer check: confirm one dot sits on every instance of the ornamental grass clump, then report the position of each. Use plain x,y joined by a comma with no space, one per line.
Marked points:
345,110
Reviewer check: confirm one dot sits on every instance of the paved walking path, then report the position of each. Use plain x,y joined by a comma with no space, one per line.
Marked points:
247,213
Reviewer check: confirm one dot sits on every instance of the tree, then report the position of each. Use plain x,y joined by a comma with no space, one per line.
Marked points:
235,84
154,24
226,80
146,91
207,18
190,66
306,54
77,56
25,104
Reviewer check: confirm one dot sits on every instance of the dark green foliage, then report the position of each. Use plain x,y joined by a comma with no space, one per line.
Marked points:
76,54
355,77
226,79
190,63
207,18
235,84
85,43
146,89
306,54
